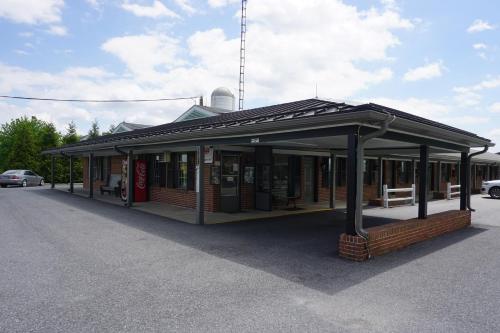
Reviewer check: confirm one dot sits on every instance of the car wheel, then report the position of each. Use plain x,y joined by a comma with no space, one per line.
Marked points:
495,192
4,186
42,182
25,183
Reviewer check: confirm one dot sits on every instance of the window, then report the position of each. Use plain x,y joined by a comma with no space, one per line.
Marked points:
404,172
102,168
341,171
370,171
325,172
159,172
182,171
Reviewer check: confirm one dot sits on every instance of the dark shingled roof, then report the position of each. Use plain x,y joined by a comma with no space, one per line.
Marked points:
303,108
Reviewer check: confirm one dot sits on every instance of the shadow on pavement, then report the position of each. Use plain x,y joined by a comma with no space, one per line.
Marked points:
301,248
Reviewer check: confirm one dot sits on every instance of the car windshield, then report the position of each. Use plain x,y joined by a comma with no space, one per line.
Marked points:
11,172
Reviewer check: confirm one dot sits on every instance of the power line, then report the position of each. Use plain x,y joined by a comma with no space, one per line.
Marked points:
99,100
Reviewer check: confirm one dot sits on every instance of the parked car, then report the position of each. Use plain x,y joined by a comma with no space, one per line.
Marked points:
492,188
21,178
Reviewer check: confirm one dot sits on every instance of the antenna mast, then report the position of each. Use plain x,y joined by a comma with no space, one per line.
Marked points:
242,52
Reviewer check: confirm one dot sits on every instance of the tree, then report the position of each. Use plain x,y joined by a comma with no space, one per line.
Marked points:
22,141
110,130
70,137
94,130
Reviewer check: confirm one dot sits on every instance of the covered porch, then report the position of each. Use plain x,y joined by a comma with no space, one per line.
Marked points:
319,128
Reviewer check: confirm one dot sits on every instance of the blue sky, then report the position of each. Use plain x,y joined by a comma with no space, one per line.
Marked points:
438,59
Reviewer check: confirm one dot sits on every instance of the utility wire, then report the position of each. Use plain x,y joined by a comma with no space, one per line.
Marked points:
99,100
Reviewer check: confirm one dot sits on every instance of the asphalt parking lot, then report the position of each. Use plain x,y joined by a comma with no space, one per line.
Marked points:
69,264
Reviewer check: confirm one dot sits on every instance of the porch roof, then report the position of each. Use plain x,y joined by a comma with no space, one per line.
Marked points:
295,116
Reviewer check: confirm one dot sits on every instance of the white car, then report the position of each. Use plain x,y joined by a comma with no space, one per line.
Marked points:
492,188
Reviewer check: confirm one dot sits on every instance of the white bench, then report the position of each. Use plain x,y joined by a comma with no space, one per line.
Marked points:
449,190
387,190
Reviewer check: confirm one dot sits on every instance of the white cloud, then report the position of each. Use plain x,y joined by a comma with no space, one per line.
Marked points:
143,54
470,95
479,46
494,136
186,6
156,10
21,52
221,3
495,107
424,72
32,11
26,34
281,65
57,30
479,25
96,4
420,107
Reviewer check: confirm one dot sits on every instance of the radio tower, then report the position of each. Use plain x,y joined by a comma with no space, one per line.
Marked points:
242,52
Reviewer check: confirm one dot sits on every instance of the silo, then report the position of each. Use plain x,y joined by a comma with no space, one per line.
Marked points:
222,98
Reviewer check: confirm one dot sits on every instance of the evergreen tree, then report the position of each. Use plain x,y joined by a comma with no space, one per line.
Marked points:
94,130
70,137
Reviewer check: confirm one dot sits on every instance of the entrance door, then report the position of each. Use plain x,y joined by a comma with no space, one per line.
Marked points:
308,179
230,184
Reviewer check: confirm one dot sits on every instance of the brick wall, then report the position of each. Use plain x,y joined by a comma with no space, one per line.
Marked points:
397,235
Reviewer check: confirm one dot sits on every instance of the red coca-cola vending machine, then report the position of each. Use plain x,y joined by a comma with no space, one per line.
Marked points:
140,181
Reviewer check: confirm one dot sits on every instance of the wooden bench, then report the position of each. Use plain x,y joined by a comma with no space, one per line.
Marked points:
113,185
292,199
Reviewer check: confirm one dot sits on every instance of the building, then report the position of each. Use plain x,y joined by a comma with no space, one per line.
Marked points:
301,152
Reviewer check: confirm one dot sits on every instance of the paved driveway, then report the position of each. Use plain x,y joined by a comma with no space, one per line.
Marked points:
68,264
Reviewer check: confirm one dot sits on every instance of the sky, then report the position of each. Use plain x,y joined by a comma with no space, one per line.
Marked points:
436,59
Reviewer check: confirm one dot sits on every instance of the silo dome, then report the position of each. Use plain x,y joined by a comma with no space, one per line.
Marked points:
222,98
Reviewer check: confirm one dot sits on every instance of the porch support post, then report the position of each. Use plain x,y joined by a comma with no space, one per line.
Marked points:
439,176
463,181
333,181
52,165
130,178
352,145
413,172
71,186
474,181
200,194
380,177
488,172
91,175
423,173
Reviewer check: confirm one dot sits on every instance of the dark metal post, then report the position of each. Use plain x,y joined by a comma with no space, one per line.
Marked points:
91,175
380,177
333,185
130,178
423,174
487,172
52,165
200,194
413,172
71,186
439,176
463,181
352,144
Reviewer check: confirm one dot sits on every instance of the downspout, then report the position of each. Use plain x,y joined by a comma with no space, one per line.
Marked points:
360,154
469,187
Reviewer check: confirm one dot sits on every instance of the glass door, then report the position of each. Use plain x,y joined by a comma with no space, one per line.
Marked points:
230,184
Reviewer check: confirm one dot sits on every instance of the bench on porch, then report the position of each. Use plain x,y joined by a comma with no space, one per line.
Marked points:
292,199
112,185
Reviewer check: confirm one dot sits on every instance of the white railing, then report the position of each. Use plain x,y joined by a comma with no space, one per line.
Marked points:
398,190
449,189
